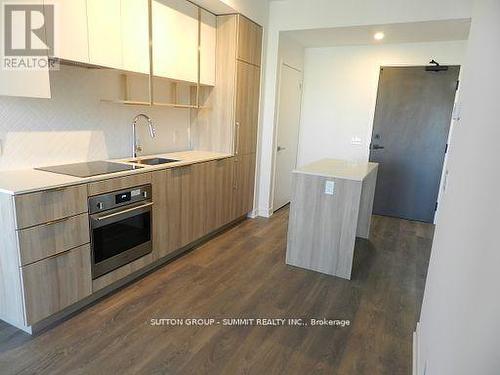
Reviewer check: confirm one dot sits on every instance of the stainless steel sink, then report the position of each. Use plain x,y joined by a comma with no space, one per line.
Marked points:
153,161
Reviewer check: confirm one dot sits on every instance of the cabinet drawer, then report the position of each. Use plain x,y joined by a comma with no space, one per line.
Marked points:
114,184
46,206
53,284
46,240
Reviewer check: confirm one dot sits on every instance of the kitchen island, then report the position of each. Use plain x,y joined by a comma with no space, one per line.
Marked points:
331,205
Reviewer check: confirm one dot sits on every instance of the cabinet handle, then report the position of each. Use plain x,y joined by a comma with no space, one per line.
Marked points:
53,190
237,147
101,218
235,175
58,221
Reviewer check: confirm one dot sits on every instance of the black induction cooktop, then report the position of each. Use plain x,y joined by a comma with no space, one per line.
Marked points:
93,168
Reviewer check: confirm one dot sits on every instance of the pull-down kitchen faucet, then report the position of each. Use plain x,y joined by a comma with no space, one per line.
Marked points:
152,132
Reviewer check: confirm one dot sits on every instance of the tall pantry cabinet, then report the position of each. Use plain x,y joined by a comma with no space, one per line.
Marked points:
230,123
246,113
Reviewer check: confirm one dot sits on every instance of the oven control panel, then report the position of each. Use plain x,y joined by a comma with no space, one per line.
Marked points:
109,201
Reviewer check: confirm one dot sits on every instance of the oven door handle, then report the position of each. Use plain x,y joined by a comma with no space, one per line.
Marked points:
101,218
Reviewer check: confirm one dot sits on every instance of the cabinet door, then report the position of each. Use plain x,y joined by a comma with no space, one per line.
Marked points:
135,35
71,31
208,40
247,108
244,183
105,41
224,186
25,83
197,183
53,284
175,40
167,211
249,41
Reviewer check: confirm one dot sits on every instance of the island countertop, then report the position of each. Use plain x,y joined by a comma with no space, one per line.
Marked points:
348,170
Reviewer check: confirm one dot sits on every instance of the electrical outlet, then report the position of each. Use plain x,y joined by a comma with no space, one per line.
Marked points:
329,187
356,141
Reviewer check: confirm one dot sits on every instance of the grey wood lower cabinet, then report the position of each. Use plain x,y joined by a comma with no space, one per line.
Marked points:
190,202
55,283
244,185
223,192
45,262
167,197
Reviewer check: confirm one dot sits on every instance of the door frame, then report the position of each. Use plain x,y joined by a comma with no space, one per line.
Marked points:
454,120
283,64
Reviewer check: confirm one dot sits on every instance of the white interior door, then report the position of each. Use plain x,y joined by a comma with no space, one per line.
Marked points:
290,98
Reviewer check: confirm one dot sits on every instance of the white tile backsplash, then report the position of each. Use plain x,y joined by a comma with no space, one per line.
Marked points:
76,126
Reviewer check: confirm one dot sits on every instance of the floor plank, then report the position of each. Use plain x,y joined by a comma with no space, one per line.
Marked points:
242,273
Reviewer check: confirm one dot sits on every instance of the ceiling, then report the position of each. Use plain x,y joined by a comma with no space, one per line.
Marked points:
414,32
215,6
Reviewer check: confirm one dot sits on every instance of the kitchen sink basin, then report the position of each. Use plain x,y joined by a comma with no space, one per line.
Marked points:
153,161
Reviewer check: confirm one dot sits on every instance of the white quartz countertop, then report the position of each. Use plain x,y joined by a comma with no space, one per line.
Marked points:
30,180
344,169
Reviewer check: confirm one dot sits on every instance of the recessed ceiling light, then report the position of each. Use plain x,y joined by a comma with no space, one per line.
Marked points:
379,36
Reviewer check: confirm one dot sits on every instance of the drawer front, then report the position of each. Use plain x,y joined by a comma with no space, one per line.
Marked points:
46,206
47,240
53,284
114,184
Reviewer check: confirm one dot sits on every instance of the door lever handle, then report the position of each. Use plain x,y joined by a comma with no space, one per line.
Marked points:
280,148
377,147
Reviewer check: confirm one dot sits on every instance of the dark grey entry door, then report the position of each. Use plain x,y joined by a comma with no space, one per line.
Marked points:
410,133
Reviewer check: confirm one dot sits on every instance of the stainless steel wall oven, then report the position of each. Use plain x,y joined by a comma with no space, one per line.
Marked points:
121,228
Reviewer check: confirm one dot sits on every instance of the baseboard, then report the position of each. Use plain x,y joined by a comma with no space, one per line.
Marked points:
415,357
264,212
253,214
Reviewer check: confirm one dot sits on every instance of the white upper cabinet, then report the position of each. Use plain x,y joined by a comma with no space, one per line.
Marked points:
208,42
25,83
175,40
105,33
135,35
70,29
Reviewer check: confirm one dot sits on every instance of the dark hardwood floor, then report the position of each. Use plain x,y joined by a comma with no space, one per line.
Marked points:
242,273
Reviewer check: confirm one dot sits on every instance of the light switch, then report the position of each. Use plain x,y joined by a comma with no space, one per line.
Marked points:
329,187
457,112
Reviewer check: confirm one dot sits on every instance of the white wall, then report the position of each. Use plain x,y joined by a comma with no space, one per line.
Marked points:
291,53
75,126
299,14
459,328
340,92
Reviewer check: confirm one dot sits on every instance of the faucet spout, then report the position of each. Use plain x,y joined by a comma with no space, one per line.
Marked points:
152,132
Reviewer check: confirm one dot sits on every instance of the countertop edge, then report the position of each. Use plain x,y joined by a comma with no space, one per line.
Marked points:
87,180
373,166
